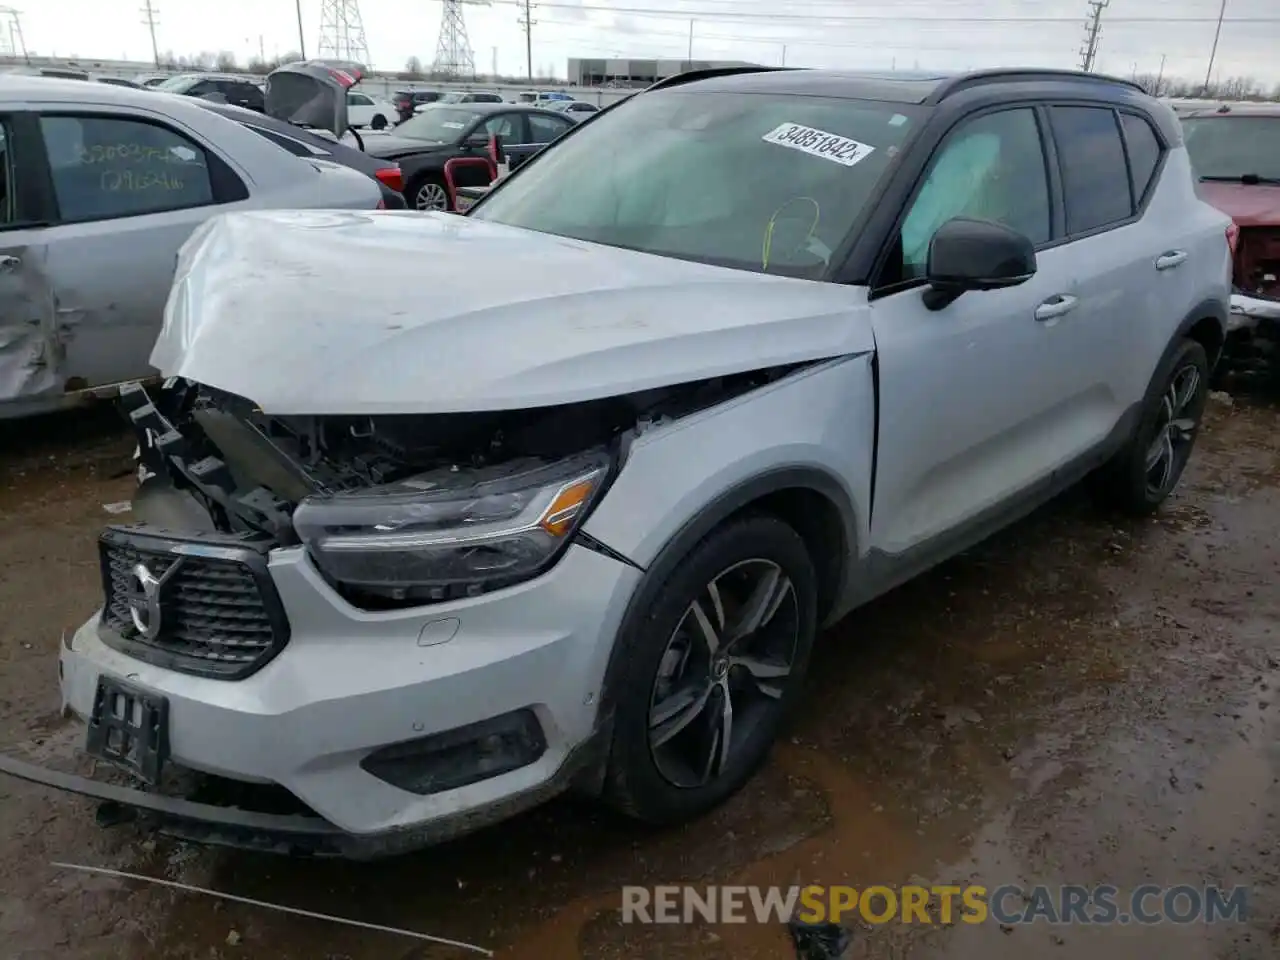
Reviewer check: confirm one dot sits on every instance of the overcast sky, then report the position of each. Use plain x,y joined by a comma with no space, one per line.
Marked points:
933,34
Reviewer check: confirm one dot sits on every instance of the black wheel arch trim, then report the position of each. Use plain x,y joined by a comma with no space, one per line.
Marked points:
714,513
1210,308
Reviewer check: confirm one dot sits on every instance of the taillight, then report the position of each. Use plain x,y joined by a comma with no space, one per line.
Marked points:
391,177
1233,237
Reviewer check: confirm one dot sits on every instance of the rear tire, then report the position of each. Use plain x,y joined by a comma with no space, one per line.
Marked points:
428,193
379,122
718,657
1147,470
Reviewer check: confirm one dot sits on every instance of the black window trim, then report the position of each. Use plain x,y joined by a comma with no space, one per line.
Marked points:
1057,216
33,202
225,185
272,136
1141,203
1136,210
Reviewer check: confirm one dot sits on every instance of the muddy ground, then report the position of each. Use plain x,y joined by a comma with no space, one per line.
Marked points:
1080,700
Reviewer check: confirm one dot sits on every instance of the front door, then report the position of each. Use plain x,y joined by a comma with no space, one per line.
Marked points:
968,419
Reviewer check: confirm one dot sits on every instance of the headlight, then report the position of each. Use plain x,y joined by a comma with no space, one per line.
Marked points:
451,533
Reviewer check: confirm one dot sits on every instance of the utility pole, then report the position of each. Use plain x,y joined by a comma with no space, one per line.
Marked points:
1160,76
527,21
1092,33
302,40
495,63
689,62
149,18
784,54
1214,52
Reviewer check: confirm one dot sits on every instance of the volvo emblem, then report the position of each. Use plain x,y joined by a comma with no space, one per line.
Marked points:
144,601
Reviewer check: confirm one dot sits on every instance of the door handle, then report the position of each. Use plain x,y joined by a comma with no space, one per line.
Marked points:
1056,307
1171,259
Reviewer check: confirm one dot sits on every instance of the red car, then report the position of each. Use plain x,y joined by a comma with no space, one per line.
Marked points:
1235,151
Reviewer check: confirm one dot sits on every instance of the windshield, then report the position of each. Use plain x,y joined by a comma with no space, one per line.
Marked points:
437,124
1233,147
758,182
178,84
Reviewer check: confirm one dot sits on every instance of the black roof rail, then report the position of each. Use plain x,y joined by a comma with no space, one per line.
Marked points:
965,81
706,73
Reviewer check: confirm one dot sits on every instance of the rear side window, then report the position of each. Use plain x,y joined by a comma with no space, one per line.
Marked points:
296,147
116,167
1095,178
1144,153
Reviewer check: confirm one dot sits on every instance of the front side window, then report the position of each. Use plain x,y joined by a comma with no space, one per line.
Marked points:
117,167
1234,148
438,124
8,193
1095,177
760,182
504,125
989,168
178,84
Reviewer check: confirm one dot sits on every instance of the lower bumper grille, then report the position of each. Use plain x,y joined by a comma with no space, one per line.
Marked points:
202,606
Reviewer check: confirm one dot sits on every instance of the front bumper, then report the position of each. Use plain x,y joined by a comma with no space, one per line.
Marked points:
1248,311
349,682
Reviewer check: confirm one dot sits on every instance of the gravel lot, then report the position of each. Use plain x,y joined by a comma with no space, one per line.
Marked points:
1080,700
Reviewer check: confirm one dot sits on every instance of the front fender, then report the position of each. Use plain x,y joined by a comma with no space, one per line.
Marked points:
814,429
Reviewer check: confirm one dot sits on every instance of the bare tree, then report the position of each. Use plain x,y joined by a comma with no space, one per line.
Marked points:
226,62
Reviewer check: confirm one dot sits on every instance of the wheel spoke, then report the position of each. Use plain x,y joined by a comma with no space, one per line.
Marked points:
706,629
721,734
1157,449
761,670
1185,390
767,595
1183,428
671,715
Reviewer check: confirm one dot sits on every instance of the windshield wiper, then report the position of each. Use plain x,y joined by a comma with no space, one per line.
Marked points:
1248,179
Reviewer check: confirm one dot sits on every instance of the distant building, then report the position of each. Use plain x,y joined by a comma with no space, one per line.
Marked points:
636,73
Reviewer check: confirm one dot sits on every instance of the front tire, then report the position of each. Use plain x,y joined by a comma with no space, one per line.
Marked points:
710,670
1143,474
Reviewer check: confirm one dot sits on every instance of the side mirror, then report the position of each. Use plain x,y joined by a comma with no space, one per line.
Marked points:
969,254
477,141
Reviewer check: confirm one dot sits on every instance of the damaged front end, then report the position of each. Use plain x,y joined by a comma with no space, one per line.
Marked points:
1254,322
396,510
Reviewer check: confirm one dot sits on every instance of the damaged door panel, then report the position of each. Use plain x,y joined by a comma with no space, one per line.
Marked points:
31,355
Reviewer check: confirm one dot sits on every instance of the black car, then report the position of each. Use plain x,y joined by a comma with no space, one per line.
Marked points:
232,89
406,101
423,143
303,143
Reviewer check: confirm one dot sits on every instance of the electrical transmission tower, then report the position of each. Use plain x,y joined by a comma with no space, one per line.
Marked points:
342,32
453,50
149,12
1092,34
11,42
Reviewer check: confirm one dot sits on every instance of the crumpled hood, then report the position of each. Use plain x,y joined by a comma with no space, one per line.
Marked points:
1256,205
335,312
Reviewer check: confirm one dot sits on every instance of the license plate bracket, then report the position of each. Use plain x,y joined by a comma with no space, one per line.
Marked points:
129,728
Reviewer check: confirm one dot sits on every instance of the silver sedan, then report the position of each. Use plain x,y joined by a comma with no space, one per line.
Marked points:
99,187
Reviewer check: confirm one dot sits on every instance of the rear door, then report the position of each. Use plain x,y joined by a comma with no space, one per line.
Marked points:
128,189
30,349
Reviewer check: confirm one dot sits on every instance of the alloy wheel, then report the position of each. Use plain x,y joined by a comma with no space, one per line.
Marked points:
431,196
1175,431
723,671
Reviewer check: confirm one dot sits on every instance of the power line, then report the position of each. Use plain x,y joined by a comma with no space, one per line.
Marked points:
684,14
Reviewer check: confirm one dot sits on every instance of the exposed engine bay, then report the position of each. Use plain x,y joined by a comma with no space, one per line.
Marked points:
211,462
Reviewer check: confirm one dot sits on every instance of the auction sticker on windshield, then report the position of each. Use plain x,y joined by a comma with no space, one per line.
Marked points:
819,143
